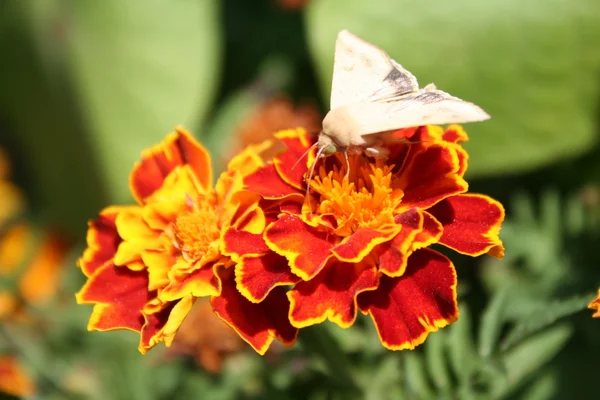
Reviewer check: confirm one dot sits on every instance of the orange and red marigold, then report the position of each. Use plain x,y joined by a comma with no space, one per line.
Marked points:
273,259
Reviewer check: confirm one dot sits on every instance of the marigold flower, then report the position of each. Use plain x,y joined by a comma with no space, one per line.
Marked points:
595,305
360,240
146,264
14,381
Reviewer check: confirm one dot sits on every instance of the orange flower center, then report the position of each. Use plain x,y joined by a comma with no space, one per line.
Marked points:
364,199
195,231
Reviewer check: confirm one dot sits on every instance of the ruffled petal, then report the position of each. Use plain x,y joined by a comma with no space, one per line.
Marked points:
200,281
258,324
257,276
471,224
238,244
407,308
331,294
289,164
393,255
362,242
102,240
179,148
267,183
306,248
119,294
429,175
162,326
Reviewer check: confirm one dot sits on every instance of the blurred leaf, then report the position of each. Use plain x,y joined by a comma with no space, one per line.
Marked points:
533,66
529,356
543,315
491,323
461,348
544,387
435,359
139,70
383,379
417,383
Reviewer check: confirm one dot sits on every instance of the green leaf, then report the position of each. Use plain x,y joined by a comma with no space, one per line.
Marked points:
542,315
417,382
545,387
435,358
461,350
528,357
138,70
533,67
491,323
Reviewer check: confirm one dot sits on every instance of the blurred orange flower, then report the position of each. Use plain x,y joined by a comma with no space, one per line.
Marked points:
595,305
13,379
360,241
211,344
30,260
274,115
146,264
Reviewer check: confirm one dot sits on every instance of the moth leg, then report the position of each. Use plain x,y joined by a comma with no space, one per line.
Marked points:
377,152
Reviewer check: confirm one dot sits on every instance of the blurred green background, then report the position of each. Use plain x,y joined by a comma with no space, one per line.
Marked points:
86,85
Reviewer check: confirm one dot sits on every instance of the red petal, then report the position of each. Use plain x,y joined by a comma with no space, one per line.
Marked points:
200,282
102,241
119,294
239,243
362,242
394,254
331,294
407,308
177,149
306,248
293,163
257,276
163,324
430,174
258,324
471,224
266,182
455,134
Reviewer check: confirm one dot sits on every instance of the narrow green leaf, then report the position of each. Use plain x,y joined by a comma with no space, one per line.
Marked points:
527,358
544,387
543,315
491,323
461,346
435,359
417,383
383,378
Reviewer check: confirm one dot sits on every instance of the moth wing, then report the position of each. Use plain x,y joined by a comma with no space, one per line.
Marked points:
425,107
363,72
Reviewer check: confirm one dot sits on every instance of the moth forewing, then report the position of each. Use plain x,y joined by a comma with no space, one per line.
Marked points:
362,70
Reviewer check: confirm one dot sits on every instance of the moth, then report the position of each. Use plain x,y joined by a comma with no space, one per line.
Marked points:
372,95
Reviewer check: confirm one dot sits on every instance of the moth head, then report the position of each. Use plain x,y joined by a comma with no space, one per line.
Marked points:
326,146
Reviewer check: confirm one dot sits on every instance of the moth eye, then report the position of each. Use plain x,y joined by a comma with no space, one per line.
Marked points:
329,149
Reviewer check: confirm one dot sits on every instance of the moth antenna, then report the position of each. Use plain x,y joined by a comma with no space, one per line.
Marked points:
312,170
347,164
304,154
